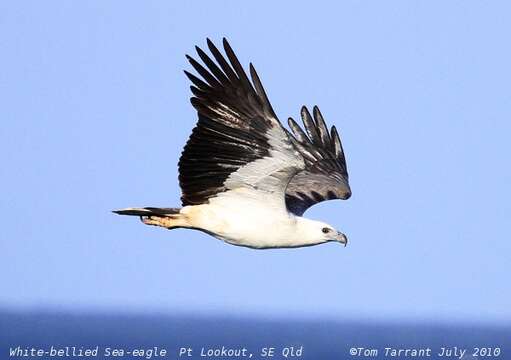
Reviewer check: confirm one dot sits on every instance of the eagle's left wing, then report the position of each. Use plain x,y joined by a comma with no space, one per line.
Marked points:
238,142
325,176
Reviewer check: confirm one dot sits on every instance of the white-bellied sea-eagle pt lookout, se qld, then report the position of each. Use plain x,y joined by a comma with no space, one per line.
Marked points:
245,179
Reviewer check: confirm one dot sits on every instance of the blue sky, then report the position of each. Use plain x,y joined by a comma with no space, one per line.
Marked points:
95,112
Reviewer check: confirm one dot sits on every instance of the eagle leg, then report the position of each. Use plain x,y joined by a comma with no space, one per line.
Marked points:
162,221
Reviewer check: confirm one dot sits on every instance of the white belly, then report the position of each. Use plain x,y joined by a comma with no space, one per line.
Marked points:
245,220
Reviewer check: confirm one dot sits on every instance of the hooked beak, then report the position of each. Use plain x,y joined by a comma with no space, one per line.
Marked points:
340,237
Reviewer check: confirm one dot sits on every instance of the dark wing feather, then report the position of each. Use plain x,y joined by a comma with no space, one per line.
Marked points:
325,175
236,127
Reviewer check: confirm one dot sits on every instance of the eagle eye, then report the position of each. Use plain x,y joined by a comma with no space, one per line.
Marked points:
325,230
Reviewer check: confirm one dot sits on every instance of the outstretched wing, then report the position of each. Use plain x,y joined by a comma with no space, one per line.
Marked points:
325,176
238,141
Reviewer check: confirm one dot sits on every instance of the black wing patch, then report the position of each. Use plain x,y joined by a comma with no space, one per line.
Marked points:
325,176
234,118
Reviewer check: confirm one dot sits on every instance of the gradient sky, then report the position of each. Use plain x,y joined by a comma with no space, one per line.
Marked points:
95,111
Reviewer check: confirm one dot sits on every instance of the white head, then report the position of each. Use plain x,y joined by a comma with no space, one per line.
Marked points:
312,232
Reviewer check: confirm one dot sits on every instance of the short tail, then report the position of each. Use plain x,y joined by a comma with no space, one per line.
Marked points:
148,211
169,218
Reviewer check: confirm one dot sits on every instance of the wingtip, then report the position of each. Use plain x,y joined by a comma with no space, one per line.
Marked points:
201,53
226,44
316,111
305,112
334,134
254,75
211,45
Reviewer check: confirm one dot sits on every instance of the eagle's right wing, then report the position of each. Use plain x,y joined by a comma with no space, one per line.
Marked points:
325,176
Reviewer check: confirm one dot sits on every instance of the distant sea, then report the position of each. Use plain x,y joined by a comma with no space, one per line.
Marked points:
101,336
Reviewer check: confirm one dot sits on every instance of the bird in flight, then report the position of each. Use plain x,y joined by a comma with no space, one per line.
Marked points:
245,179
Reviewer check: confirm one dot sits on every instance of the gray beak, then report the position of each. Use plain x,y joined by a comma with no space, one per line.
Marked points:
341,238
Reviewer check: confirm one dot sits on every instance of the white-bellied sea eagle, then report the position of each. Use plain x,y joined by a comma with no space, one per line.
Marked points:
245,179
